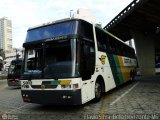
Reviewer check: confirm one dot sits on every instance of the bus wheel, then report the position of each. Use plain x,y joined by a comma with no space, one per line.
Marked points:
98,91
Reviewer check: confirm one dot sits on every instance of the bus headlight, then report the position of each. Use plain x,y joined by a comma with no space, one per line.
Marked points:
75,86
65,83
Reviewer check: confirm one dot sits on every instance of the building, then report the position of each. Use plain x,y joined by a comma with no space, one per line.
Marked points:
5,34
85,14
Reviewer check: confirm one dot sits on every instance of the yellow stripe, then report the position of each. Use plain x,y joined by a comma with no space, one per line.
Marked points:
105,100
124,69
120,60
65,82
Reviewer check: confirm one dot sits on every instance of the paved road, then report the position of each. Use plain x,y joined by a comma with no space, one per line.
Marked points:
134,100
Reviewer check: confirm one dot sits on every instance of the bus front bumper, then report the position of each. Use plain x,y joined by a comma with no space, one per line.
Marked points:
52,97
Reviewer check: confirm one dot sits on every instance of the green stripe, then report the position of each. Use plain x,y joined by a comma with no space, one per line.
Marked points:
115,68
54,82
118,67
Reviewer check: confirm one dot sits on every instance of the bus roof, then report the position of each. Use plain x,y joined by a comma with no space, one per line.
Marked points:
69,19
54,22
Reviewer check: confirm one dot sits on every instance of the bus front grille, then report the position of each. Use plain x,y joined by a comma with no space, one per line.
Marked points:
44,86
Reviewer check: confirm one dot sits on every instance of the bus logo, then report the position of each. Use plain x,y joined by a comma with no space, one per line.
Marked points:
102,59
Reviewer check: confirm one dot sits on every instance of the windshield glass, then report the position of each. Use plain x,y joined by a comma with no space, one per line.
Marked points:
60,59
59,29
33,59
15,67
55,60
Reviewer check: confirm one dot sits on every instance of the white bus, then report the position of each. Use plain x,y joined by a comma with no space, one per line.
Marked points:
74,62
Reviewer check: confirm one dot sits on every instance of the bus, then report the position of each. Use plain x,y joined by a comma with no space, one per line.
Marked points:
73,61
14,73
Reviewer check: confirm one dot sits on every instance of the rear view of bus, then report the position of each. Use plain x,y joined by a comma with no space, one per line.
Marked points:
14,73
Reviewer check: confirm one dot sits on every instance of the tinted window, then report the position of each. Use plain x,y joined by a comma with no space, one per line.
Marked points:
128,51
109,44
112,45
50,31
101,40
86,30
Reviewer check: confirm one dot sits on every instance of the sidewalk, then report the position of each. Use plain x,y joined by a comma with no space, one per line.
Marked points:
148,78
3,75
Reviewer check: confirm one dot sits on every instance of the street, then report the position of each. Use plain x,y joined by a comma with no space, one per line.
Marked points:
136,99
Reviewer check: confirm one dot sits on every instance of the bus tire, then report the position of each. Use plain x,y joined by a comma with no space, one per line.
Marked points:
98,91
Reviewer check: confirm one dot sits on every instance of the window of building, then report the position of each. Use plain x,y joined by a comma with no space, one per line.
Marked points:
9,24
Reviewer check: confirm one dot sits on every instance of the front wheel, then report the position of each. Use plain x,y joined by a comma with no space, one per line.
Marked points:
98,92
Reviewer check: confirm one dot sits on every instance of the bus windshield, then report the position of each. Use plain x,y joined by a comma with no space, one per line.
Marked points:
55,60
15,67
33,58
55,30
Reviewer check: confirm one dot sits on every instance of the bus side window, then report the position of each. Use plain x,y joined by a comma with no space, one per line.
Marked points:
122,50
113,49
92,58
129,52
87,59
86,30
125,51
109,45
100,40
104,41
132,54
118,48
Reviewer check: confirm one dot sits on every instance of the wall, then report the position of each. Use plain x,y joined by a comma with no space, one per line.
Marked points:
145,48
